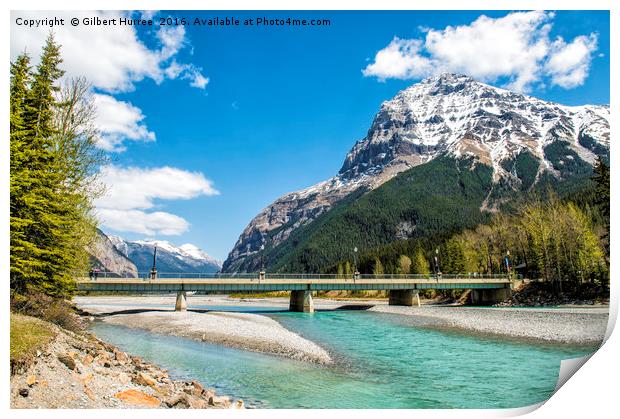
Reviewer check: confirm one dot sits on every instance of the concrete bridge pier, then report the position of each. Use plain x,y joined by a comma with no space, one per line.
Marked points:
404,297
181,304
301,301
482,297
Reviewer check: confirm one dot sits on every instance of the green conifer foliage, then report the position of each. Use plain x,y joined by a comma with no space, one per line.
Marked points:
49,205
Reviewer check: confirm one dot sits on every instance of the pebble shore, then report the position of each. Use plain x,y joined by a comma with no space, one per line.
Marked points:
246,331
77,371
561,325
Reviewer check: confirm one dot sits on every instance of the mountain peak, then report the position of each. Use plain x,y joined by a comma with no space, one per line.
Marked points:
448,78
449,115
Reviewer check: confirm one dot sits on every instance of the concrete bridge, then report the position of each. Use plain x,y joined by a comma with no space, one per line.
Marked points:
403,289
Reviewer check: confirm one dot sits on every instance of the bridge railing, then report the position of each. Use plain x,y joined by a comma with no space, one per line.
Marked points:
302,277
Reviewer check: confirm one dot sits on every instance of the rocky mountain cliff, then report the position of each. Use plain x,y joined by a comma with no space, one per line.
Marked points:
105,257
170,259
522,138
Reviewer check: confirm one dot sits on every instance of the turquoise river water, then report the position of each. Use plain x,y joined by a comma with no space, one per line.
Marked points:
382,361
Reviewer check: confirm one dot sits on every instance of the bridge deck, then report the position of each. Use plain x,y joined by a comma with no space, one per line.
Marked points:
317,283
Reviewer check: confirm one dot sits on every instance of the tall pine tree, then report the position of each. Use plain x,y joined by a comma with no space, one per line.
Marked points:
49,211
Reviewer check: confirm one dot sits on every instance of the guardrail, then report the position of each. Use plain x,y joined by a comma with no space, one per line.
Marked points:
303,277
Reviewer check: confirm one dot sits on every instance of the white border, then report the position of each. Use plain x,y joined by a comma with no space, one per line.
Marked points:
591,393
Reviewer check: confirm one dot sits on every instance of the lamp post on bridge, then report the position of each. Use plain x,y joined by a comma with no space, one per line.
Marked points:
355,273
154,268
437,271
261,274
507,262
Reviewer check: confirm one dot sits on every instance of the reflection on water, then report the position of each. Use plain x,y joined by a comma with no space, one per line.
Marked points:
381,362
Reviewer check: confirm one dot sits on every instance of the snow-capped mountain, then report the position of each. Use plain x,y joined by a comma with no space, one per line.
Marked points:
105,256
170,259
445,115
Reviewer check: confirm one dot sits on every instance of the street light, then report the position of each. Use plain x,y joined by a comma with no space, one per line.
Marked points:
356,273
507,261
154,268
437,272
261,274
262,258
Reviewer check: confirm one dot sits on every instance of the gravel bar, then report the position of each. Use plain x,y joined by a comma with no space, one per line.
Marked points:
246,331
565,325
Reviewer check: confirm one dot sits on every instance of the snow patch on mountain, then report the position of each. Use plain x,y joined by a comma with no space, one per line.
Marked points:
170,258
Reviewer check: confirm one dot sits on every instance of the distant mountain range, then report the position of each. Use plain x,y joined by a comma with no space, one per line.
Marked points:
133,257
105,257
170,258
440,156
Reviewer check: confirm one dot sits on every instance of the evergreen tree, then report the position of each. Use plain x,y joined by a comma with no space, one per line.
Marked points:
19,179
454,258
603,195
420,263
601,177
50,168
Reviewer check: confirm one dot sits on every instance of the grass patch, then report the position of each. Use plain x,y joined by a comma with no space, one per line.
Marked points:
28,335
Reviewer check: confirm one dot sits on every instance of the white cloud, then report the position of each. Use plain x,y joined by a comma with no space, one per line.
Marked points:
569,64
187,72
172,39
174,70
401,59
136,221
516,46
198,80
148,14
131,192
118,121
112,58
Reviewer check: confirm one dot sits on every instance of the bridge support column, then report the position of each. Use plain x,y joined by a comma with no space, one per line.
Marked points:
485,297
404,297
181,304
301,301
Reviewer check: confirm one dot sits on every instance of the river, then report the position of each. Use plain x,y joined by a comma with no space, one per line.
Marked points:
382,361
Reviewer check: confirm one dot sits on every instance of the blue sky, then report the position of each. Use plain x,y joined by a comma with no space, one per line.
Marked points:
282,106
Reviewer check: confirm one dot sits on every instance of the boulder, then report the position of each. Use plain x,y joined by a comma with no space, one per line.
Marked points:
208,393
144,380
108,347
31,380
138,398
219,401
196,403
177,401
198,389
121,356
238,405
68,361
24,392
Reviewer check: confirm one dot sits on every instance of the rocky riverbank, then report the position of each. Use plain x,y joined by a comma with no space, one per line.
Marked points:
579,326
77,370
